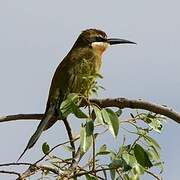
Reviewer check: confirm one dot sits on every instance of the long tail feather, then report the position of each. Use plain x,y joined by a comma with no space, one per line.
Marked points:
41,127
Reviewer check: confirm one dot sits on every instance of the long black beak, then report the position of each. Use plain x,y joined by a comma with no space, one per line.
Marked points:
113,41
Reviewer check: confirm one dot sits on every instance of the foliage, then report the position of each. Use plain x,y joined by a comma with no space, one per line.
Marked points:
128,161
109,145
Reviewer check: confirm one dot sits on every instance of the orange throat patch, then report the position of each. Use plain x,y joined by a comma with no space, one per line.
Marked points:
99,47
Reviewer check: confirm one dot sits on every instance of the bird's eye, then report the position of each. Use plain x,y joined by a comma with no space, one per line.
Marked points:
100,39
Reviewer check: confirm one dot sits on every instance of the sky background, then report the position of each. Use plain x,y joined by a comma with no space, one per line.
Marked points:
36,35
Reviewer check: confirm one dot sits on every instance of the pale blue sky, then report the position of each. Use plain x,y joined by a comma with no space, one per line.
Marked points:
36,35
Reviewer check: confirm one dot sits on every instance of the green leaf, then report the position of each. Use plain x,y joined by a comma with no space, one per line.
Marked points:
71,105
116,163
130,159
86,133
160,165
134,177
66,105
77,111
68,148
152,142
119,112
103,150
156,125
123,149
89,127
73,97
98,114
138,169
112,120
45,148
153,154
112,155
82,139
126,177
153,121
98,75
142,156
154,148
119,163
90,177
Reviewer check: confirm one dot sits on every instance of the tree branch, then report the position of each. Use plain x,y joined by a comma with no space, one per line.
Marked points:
68,129
20,117
34,168
152,174
10,172
121,103
75,139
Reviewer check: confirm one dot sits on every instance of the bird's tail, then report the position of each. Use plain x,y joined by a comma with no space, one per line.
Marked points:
50,114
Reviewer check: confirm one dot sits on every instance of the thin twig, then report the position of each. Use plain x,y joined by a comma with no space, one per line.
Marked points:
152,174
55,148
33,168
15,164
21,117
89,172
134,143
10,172
120,174
68,128
94,154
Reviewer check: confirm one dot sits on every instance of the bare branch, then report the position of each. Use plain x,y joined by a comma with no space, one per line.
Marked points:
34,168
10,172
152,174
21,117
117,102
15,164
94,154
138,104
68,129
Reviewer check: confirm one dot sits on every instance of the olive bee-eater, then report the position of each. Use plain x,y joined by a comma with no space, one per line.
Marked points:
83,60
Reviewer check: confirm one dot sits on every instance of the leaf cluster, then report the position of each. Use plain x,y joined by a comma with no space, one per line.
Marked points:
128,160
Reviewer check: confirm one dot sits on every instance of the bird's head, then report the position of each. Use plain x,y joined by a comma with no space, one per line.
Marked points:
98,40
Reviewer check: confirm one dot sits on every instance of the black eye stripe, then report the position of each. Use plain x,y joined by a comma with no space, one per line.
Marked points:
100,39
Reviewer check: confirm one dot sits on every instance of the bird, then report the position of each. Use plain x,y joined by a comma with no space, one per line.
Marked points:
83,60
